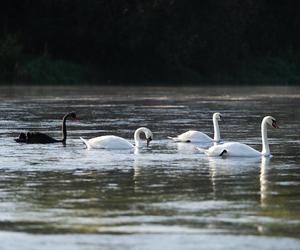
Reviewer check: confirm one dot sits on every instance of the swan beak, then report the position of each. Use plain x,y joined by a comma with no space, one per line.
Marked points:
274,124
148,141
222,119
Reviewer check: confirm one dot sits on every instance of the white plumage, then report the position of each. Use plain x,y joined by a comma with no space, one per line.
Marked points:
200,137
116,142
236,149
192,136
108,142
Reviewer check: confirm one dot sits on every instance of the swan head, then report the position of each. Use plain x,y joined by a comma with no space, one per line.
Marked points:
149,136
218,116
72,115
21,138
271,121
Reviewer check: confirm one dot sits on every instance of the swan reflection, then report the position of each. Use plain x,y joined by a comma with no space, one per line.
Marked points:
264,168
234,167
186,148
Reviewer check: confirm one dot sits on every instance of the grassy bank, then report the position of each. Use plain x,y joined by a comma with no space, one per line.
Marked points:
42,70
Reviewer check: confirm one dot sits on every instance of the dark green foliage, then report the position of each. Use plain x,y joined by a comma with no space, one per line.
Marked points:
155,41
42,70
10,52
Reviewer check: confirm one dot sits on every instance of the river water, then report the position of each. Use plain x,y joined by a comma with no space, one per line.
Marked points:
167,196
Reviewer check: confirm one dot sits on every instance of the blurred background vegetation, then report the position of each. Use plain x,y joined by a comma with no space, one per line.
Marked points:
150,42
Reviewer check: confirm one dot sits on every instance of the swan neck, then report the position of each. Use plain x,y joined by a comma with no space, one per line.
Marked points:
64,129
264,136
217,137
137,138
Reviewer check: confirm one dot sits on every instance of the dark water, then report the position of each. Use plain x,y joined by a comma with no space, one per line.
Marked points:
166,197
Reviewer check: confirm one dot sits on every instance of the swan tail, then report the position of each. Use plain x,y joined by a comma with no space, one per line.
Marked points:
175,139
85,142
202,150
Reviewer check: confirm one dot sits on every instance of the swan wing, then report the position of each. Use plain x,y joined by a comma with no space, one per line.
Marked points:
192,136
36,138
108,142
234,149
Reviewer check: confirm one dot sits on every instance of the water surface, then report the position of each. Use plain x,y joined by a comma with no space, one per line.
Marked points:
168,196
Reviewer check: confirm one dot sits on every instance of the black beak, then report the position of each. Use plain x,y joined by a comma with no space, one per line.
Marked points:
148,141
274,124
222,119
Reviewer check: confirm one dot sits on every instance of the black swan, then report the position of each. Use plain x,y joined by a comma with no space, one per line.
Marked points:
36,137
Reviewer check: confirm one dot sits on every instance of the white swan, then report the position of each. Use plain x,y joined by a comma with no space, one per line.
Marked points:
116,142
243,150
196,136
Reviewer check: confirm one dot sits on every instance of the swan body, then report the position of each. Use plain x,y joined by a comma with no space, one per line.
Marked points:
236,149
200,137
233,149
108,142
192,136
41,138
35,137
116,142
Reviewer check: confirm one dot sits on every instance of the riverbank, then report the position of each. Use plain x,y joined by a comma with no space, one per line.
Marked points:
41,70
